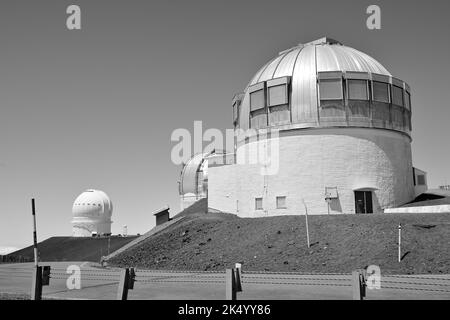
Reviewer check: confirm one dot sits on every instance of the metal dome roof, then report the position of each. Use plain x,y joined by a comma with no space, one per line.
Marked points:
300,70
189,176
94,204
321,55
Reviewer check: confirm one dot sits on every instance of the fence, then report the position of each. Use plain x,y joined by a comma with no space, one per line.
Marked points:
233,281
15,259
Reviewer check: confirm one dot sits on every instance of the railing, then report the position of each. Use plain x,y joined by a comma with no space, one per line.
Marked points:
233,280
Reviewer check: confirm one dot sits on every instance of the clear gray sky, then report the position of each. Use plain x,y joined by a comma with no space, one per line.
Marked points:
96,108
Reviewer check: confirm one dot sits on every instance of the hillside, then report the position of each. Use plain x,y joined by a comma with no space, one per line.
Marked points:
340,243
73,248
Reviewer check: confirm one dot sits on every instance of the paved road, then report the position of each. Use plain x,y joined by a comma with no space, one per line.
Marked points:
100,283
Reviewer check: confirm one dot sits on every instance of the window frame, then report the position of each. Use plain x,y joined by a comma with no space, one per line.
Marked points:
388,91
285,202
407,100
338,80
402,95
283,81
256,88
348,81
256,204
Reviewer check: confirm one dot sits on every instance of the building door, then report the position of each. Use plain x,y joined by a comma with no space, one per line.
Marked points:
363,202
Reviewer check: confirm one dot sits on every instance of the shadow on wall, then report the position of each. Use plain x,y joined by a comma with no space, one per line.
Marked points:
335,205
376,204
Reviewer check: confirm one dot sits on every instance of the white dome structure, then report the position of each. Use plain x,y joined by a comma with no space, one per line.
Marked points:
343,125
193,183
92,211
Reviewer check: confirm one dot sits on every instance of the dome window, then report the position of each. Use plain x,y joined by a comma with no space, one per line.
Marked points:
278,101
330,89
380,91
258,114
331,96
397,95
408,100
357,90
257,97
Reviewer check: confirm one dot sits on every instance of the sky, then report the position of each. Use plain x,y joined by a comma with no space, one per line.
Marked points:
96,107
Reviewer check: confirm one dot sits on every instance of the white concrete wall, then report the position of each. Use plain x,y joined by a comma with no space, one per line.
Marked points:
309,161
423,209
84,226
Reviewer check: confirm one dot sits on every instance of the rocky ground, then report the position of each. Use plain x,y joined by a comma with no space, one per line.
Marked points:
339,243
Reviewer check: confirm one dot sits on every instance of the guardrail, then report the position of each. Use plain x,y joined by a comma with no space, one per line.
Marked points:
233,280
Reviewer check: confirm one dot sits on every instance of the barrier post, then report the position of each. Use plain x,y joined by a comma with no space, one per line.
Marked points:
131,279
399,243
36,287
230,285
122,292
357,285
238,277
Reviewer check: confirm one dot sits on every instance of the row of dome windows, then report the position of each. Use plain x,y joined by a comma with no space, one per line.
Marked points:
331,93
88,204
334,89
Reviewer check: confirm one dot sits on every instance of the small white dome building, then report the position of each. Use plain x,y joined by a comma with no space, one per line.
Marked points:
193,183
92,211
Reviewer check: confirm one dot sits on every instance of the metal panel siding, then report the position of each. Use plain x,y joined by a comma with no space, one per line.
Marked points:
189,176
245,112
268,73
326,59
367,63
286,66
302,64
257,75
277,95
304,89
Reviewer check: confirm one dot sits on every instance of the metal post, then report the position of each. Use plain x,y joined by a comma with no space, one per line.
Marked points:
33,212
399,243
36,287
122,292
230,291
238,277
306,222
356,285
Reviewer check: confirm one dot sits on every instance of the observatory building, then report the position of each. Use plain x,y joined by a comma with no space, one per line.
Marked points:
92,212
343,139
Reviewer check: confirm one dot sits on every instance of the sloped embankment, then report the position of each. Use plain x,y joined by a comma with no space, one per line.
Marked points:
339,244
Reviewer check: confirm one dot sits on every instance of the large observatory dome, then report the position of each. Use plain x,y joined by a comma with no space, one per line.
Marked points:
92,211
321,84
338,140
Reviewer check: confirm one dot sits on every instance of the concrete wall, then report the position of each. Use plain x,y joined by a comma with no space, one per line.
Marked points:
312,159
83,227
423,209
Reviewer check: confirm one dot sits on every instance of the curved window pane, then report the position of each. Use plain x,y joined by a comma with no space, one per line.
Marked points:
257,100
408,101
277,95
357,90
380,92
330,89
397,96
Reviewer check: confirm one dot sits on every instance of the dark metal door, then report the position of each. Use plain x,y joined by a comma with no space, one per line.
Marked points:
363,202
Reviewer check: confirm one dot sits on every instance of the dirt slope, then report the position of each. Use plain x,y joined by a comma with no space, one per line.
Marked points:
73,248
339,244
